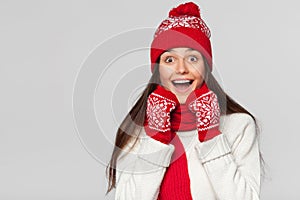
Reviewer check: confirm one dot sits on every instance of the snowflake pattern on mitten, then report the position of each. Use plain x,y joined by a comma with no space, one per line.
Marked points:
158,112
207,111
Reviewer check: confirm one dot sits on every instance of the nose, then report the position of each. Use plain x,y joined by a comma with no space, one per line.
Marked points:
181,67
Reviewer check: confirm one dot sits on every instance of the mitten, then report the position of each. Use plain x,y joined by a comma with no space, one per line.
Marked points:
204,104
160,104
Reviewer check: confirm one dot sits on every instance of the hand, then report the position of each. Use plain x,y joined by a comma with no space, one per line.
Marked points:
160,104
204,103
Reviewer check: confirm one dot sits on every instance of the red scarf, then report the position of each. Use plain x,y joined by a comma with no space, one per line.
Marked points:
176,182
183,119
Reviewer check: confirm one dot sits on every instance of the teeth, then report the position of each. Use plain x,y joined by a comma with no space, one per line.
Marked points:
182,81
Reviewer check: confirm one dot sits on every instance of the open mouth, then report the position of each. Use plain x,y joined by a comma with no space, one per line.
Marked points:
182,84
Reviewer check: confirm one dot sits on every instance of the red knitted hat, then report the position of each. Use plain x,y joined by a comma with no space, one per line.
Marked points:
183,28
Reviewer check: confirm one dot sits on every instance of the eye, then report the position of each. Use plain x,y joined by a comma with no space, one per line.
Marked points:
169,59
193,58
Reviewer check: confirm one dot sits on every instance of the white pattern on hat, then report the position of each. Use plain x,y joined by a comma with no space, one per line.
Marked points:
183,21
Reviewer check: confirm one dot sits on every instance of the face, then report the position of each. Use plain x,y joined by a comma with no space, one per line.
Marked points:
181,71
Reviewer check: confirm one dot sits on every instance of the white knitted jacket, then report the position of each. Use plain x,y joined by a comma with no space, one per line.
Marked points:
226,167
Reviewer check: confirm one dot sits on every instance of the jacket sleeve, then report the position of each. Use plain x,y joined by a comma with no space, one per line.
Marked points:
233,165
140,172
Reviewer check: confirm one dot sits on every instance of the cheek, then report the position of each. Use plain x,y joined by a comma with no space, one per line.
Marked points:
165,73
199,74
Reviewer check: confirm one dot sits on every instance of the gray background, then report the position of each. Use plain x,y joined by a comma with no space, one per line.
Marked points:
43,44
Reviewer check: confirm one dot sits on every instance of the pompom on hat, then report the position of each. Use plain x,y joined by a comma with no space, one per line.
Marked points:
183,28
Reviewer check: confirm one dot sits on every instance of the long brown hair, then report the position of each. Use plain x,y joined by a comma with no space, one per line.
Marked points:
134,120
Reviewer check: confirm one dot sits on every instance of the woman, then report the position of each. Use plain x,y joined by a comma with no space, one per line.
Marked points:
185,138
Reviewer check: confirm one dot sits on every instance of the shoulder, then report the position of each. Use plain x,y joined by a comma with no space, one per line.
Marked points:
238,125
236,121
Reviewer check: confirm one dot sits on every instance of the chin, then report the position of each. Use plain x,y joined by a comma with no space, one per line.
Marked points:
181,97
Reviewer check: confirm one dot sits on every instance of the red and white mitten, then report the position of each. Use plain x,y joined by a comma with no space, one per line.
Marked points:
204,103
160,104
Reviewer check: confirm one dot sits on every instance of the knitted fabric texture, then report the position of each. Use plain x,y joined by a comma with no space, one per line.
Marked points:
183,28
157,123
204,104
176,182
